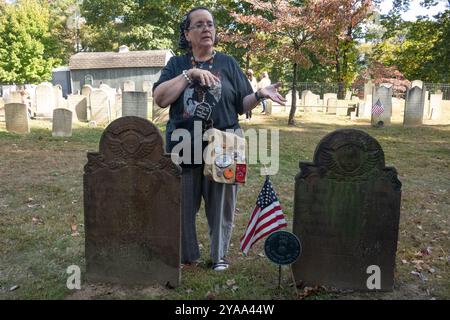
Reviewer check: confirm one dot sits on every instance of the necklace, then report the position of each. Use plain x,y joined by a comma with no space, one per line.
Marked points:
200,64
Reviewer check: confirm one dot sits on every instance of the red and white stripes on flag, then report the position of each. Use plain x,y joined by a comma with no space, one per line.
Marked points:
266,218
377,108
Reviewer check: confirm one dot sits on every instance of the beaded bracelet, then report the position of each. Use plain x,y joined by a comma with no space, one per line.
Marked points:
187,77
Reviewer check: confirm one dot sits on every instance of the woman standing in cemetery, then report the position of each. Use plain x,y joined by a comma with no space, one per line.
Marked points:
211,82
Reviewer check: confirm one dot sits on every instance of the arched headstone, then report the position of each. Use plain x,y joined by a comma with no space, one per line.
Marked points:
346,213
382,92
132,201
45,100
414,106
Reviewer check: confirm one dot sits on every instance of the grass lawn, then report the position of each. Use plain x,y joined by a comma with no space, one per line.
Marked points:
42,232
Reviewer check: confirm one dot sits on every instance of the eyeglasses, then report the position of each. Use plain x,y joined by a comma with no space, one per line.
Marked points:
202,26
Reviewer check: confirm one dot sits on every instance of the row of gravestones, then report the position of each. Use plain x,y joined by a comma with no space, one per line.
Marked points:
132,104
417,107
346,210
330,104
46,97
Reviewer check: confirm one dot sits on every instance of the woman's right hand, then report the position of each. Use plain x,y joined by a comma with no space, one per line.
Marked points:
205,77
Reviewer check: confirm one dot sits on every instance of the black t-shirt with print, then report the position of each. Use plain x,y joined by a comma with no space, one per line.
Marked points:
225,99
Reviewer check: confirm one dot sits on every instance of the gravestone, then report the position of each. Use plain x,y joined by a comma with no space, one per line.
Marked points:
288,98
117,107
348,95
414,106
59,99
100,107
78,105
15,97
134,104
62,123
310,100
367,111
147,86
342,108
435,106
346,213
16,118
331,105
368,86
86,91
384,93
132,207
129,86
327,96
45,100
417,83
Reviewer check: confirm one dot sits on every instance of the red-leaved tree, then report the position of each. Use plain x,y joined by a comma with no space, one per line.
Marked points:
294,32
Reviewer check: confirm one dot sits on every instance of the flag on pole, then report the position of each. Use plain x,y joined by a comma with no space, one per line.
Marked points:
377,108
266,218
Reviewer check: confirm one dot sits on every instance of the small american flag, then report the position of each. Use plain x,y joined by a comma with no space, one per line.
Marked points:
266,218
377,108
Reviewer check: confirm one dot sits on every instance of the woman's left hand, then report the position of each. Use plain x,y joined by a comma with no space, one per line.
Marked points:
271,92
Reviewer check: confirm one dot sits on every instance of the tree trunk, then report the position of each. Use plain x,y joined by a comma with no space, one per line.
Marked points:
291,120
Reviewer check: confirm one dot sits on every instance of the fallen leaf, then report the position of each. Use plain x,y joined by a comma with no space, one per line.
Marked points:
420,275
261,255
419,226
210,295
37,220
14,288
426,251
230,282
74,227
405,262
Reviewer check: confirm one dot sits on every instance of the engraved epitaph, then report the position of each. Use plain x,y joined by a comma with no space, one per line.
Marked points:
132,207
346,213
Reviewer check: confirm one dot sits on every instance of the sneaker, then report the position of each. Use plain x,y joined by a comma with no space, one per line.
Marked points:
222,265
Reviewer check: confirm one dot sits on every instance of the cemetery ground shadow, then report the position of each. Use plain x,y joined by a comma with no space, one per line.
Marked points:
42,230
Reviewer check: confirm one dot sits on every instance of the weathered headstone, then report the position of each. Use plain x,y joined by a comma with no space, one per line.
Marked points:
327,96
310,101
348,95
16,118
132,207
331,105
368,86
342,108
59,99
435,106
134,104
147,86
417,83
117,107
384,93
78,105
346,213
62,123
45,100
414,106
15,97
129,86
100,107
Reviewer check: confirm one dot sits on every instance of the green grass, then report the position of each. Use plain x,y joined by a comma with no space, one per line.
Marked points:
41,201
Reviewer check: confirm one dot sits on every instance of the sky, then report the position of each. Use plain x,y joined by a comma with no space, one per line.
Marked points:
415,9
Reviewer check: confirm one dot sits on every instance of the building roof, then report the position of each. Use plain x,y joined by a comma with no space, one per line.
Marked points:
113,60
